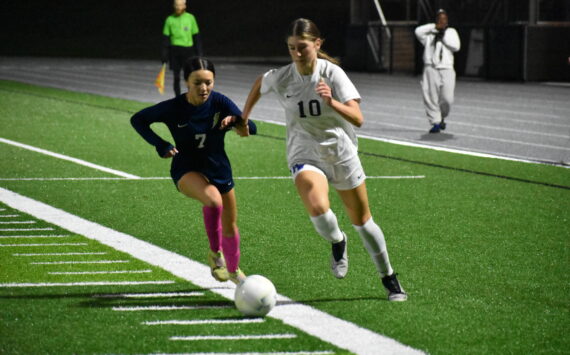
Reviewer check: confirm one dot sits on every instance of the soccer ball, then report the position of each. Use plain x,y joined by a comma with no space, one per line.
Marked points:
255,296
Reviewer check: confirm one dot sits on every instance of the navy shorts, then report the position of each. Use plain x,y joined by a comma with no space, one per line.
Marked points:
223,182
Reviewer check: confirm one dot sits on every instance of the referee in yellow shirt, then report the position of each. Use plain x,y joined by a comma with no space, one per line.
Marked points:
181,40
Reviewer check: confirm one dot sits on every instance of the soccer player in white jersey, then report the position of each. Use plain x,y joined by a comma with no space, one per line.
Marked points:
321,107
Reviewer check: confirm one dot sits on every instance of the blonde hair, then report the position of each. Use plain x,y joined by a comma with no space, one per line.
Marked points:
307,30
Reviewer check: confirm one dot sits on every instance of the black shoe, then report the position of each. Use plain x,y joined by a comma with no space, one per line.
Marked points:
339,258
435,128
442,125
394,289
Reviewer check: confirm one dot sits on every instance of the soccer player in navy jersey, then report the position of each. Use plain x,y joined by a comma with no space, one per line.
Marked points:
198,121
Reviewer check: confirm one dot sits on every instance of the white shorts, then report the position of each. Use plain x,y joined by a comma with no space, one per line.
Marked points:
342,176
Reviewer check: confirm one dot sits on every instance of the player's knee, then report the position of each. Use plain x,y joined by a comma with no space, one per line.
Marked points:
317,209
212,198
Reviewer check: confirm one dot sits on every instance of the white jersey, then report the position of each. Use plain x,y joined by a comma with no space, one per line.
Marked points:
315,132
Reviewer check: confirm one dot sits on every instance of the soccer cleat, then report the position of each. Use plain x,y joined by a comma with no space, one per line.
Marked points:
435,128
394,289
442,125
237,277
218,266
339,258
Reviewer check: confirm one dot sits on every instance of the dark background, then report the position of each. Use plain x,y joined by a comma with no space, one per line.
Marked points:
254,30
133,29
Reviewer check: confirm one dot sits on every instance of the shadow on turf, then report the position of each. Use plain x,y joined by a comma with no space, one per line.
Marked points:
436,137
103,300
95,295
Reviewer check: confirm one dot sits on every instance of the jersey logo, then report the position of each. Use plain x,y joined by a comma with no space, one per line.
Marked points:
182,125
216,119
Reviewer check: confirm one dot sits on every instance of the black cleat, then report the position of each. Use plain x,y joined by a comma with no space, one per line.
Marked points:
394,289
339,258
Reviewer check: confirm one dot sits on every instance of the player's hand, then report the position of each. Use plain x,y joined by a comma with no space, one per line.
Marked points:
169,154
228,121
239,125
324,91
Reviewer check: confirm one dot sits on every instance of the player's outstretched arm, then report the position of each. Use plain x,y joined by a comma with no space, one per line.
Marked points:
252,98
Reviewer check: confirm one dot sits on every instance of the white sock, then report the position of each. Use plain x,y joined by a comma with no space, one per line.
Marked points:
375,244
327,226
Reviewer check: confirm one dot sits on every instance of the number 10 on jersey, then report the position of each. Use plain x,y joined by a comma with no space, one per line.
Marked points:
314,108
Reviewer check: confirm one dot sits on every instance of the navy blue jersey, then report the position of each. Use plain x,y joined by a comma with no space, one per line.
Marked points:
197,136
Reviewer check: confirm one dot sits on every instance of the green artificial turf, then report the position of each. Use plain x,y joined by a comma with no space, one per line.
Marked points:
481,245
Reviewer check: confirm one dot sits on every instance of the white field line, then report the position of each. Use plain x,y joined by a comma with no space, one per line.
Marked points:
2,209
431,147
326,352
152,295
88,283
450,150
168,178
99,272
312,321
59,254
68,158
43,245
32,236
9,215
80,262
234,337
18,222
204,321
25,229
165,308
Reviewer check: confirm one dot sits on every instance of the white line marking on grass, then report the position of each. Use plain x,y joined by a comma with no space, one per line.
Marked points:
339,332
80,262
9,215
168,178
94,283
18,222
43,245
257,353
99,272
68,158
234,337
450,150
152,295
165,308
205,321
396,177
32,236
80,179
59,254
25,229
2,209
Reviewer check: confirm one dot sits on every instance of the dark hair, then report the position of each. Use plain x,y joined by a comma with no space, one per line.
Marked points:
440,12
197,63
307,30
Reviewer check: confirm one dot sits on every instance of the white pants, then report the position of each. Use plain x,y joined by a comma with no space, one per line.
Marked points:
438,86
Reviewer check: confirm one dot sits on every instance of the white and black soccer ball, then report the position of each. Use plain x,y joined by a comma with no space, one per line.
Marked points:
255,296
